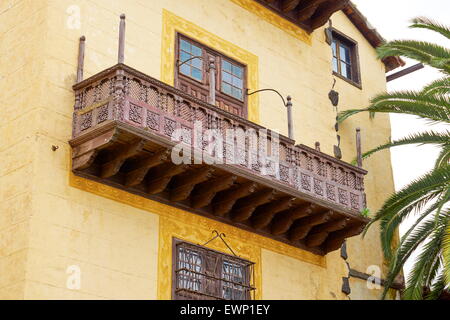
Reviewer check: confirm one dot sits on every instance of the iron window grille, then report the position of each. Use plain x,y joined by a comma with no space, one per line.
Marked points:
204,274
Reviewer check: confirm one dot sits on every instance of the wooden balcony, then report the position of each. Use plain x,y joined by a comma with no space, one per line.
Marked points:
123,125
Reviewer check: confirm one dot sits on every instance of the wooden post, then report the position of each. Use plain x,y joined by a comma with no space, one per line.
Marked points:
121,57
212,81
358,147
80,67
289,116
317,145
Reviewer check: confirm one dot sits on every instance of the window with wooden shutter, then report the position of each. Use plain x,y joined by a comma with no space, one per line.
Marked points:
192,75
204,274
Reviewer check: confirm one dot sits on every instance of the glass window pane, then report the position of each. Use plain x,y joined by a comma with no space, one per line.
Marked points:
237,71
185,69
226,66
197,74
344,53
196,51
335,65
226,77
348,69
184,56
344,70
186,46
226,88
197,62
237,93
237,82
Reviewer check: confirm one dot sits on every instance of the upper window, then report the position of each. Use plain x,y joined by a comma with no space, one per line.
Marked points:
204,274
345,58
193,75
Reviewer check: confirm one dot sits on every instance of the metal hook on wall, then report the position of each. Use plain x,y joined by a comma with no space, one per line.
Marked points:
221,236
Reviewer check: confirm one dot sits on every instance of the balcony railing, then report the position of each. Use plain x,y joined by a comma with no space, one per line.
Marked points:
123,128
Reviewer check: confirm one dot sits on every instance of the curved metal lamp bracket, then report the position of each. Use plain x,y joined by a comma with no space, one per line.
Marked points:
192,58
287,104
261,90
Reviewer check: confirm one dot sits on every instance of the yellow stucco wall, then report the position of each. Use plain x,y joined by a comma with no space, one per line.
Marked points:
50,220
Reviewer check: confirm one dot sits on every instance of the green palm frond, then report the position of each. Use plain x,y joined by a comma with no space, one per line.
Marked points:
415,236
437,87
425,138
417,279
426,23
446,255
431,54
436,266
416,49
443,158
437,287
435,180
412,197
434,108
389,224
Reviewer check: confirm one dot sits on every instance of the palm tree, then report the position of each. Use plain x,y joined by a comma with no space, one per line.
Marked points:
427,197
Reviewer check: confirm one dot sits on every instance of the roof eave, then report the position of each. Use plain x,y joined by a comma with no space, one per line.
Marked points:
371,34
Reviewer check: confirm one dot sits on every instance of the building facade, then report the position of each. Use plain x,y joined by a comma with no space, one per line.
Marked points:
92,205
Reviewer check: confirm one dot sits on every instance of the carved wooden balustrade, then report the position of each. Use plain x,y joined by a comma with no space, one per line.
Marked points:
123,126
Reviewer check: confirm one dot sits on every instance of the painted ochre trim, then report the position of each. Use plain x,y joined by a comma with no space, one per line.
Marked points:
274,19
173,24
174,222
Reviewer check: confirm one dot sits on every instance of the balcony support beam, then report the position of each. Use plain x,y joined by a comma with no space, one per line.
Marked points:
160,176
84,154
336,239
113,166
245,207
141,168
205,192
223,202
286,219
301,227
289,5
265,213
319,234
183,185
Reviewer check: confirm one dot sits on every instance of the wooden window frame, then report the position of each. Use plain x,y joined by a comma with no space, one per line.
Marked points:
340,37
204,84
222,257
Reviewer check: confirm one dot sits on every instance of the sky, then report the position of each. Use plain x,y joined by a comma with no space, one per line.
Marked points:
391,18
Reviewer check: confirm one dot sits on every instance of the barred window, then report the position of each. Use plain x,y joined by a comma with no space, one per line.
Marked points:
204,274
